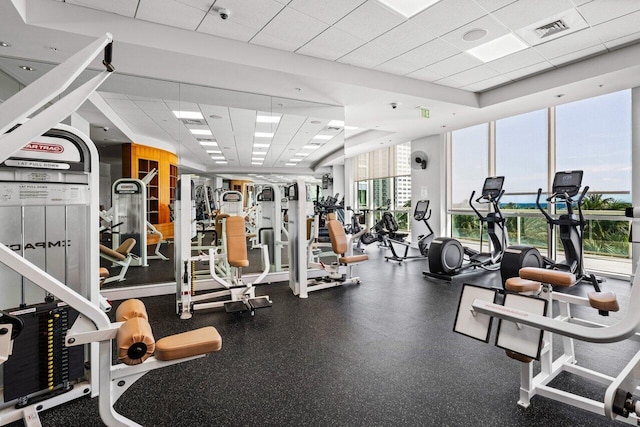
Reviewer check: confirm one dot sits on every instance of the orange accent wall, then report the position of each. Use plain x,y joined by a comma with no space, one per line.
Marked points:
131,153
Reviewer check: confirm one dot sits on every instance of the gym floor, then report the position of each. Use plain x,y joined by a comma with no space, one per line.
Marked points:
380,353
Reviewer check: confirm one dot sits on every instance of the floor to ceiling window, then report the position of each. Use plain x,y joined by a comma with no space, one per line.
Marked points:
593,135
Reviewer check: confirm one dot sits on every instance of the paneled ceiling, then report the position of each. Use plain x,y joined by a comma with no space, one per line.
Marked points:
309,58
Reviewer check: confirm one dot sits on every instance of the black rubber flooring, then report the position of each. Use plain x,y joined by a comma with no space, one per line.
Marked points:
381,353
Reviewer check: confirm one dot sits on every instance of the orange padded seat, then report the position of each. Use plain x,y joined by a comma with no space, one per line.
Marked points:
604,301
552,277
236,242
187,344
122,251
352,259
518,284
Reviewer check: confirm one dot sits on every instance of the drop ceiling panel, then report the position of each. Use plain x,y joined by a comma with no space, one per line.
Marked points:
486,84
121,7
331,45
448,81
327,11
516,61
474,75
397,66
171,12
368,56
292,27
404,37
491,5
601,11
525,12
493,27
529,70
429,53
455,64
247,17
243,121
369,21
122,104
570,43
621,27
620,42
446,16
574,56
424,74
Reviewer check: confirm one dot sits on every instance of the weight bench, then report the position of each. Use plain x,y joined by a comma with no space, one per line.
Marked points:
122,256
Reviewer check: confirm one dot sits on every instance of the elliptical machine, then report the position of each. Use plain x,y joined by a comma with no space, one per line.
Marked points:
446,255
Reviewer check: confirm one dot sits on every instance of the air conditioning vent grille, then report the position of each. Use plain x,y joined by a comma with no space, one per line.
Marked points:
198,122
551,28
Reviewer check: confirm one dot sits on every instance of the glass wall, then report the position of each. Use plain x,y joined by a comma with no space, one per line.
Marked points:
593,135
383,183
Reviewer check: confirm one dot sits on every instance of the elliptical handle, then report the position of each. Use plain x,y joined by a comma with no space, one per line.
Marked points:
546,215
473,193
583,194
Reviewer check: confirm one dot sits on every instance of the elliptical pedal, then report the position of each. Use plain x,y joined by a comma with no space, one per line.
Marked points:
259,302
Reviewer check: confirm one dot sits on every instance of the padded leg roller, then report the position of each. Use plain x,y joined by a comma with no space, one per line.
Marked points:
135,341
131,308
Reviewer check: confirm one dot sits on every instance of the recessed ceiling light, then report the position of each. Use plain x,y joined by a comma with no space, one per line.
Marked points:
217,157
256,163
336,123
27,68
263,134
261,145
221,162
474,35
4,44
188,114
302,154
497,48
323,137
310,147
295,160
315,122
255,159
560,95
408,8
289,164
200,131
208,143
267,119
214,151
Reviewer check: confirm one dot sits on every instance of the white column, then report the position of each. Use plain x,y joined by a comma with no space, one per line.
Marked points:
430,184
635,169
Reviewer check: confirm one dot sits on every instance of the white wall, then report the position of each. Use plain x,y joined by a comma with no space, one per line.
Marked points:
430,184
8,86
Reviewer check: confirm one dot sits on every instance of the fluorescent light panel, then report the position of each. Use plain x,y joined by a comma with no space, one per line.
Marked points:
221,162
323,137
310,147
208,143
295,160
261,145
267,119
217,157
497,48
214,151
188,114
408,8
264,135
256,163
200,131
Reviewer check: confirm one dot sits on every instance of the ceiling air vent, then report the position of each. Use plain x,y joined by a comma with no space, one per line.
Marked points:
194,122
552,28
333,128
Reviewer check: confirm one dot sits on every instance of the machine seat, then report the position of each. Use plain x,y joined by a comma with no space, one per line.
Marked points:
352,259
121,252
193,343
603,301
552,277
518,284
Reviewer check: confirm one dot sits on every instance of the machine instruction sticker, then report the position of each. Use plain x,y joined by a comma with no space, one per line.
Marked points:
21,194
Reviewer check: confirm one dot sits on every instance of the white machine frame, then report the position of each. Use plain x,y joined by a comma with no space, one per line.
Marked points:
571,328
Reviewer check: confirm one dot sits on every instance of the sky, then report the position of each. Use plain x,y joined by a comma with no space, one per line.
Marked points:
593,135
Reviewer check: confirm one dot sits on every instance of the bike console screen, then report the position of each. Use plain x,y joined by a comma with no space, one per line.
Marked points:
421,209
568,182
492,187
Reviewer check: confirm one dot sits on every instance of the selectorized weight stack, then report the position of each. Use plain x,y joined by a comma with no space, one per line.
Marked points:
129,198
48,205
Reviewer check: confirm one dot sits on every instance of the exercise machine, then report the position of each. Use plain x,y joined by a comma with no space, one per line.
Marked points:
420,213
307,276
385,229
446,255
270,228
529,329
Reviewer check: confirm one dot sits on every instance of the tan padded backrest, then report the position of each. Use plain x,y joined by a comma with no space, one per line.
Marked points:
338,236
236,242
331,216
126,246
110,252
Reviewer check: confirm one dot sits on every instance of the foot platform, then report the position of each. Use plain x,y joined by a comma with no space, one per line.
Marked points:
260,302
235,307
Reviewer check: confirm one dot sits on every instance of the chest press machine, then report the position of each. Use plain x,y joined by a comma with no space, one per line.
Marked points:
49,180
528,329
